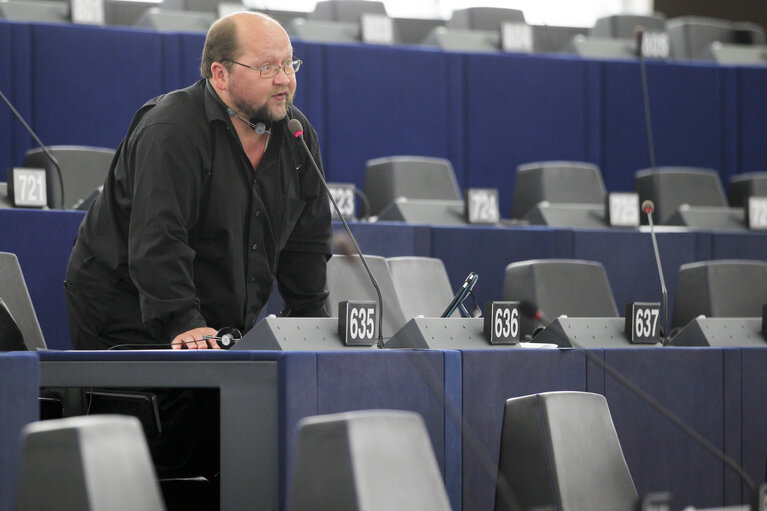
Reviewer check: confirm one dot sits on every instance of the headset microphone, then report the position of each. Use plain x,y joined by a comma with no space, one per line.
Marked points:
259,127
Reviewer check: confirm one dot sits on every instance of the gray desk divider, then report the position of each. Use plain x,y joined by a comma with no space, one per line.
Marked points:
588,333
295,334
443,334
721,332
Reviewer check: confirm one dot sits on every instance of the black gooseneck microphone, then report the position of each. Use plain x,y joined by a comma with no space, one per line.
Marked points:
259,127
225,338
39,143
639,37
294,125
531,310
648,207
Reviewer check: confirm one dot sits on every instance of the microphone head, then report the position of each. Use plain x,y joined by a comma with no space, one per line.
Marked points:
342,245
639,36
294,125
229,111
648,206
530,310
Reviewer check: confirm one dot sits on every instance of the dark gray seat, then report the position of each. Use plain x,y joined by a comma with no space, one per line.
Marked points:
345,10
743,186
691,37
422,285
322,31
84,169
87,463
464,40
572,287
348,280
724,288
167,20
560,451
15,295
343,459
484,18
623,26
35,11
413,177
556,182
671,187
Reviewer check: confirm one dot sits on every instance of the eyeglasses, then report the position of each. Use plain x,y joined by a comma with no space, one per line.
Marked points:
270,70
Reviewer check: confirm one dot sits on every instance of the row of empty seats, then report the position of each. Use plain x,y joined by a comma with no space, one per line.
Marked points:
559,194
419,286
469,29
556,449
425,190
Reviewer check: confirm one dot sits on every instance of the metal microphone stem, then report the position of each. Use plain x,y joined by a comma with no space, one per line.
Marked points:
662,280
354,241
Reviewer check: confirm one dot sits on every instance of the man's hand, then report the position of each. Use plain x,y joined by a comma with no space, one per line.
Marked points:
192,339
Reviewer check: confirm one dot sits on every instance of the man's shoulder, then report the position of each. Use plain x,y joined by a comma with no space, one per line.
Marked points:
183,107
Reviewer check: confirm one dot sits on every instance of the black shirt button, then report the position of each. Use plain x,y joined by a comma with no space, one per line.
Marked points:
254,246
252,278
258,213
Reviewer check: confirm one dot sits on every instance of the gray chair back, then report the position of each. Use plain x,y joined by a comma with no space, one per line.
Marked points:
15,295
484,18
623,26
83,170
365,461
572,287
346,10
560,451
348,280
743,186
413,177
422,285
724,288
568,182
671,187
88,463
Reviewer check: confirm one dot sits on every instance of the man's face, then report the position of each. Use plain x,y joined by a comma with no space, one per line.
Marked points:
262,99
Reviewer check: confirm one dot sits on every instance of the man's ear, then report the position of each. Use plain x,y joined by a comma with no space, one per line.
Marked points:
219,76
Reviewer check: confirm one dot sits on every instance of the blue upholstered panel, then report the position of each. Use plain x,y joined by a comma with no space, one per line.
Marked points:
19,388
687,119
310,90
753,121
521,109
87,82
487,250
688,381
733,422
384,101
15,80
490,377
189,58
42,240
396,380
453,428
630,262
390,239
754,425
297,380
751,245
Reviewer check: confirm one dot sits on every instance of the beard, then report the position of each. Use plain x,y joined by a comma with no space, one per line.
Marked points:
263,113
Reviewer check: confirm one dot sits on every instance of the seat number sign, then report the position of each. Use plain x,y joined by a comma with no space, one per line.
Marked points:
358,322
642,322
502,322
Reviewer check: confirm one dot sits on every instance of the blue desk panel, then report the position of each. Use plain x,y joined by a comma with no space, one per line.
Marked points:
489,378
15,82
689,382
42,240
383,101
754,413
752,112
687,119
87,82
19,388
521,109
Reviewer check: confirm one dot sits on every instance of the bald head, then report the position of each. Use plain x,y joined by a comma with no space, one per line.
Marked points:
228,36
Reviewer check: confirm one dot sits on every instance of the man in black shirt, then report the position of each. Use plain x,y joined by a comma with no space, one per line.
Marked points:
208,199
